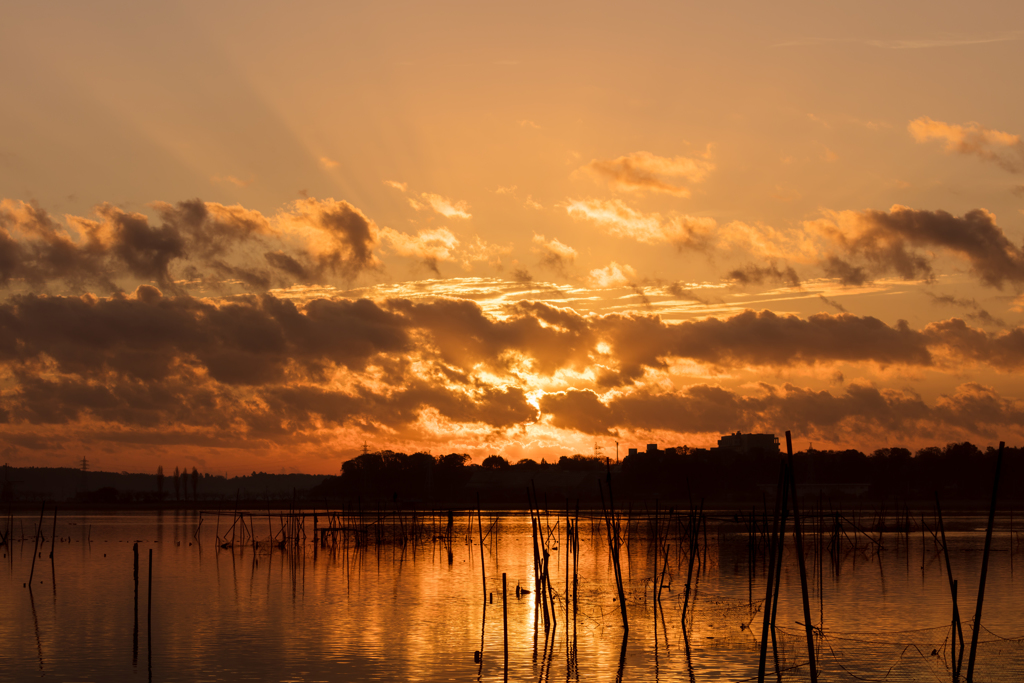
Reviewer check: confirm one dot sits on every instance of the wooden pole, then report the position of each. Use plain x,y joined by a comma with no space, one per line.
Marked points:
803,566
480,530
984,567
53,535
613,530
504,617
35,546
135,631
149,618
770,583
957,626
693,552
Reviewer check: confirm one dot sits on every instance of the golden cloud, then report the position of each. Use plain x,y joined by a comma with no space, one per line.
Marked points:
646,172
1004,149
621,220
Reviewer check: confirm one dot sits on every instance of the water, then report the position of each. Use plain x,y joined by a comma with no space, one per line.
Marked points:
402,612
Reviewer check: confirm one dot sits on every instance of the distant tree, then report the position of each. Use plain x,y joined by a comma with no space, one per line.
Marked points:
452,460
177,484
527,464
495,462
195,483
160,482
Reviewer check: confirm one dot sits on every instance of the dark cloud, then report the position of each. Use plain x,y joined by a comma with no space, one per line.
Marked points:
752,274
976,312
267,369
522,275
677,290
353,234
248,341
845,272
462,335
972,410
288,264
46,252
887,239
579,410
145,250
1003,350
641,295
196,241
554,254
759,338
213,230
833,303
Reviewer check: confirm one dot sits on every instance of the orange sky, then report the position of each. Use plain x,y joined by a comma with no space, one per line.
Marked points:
254,237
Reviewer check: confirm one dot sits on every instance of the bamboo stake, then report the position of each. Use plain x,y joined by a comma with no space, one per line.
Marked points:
504,618
984,567
53,535
770,583
483,569
959,631
135,630
803,567
35,546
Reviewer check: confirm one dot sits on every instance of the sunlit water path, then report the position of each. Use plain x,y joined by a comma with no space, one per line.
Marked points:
402,611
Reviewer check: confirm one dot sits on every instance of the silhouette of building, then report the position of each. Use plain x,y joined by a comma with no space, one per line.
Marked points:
748,443
652,449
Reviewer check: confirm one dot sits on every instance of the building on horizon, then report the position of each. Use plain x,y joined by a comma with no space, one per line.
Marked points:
749,443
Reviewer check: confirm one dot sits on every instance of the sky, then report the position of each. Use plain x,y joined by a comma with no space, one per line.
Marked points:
263,236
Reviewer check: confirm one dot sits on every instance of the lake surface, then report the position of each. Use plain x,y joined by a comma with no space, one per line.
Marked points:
396,607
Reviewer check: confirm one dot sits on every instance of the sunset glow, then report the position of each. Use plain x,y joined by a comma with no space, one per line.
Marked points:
259,241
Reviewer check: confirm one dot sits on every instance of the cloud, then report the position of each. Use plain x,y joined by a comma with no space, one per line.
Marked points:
845,272
339,238
251,370
766,242
193,241
677,290
526,123
430,246
327,163
147,251
976,311
212,229
973,410
753,274
646,172
522,275
401,187
553,253
833,303
622,221
753,339
442,205
528,202
886,241
1004,149
1002,350
612,275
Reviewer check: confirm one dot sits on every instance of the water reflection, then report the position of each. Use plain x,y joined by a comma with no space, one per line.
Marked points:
364,610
